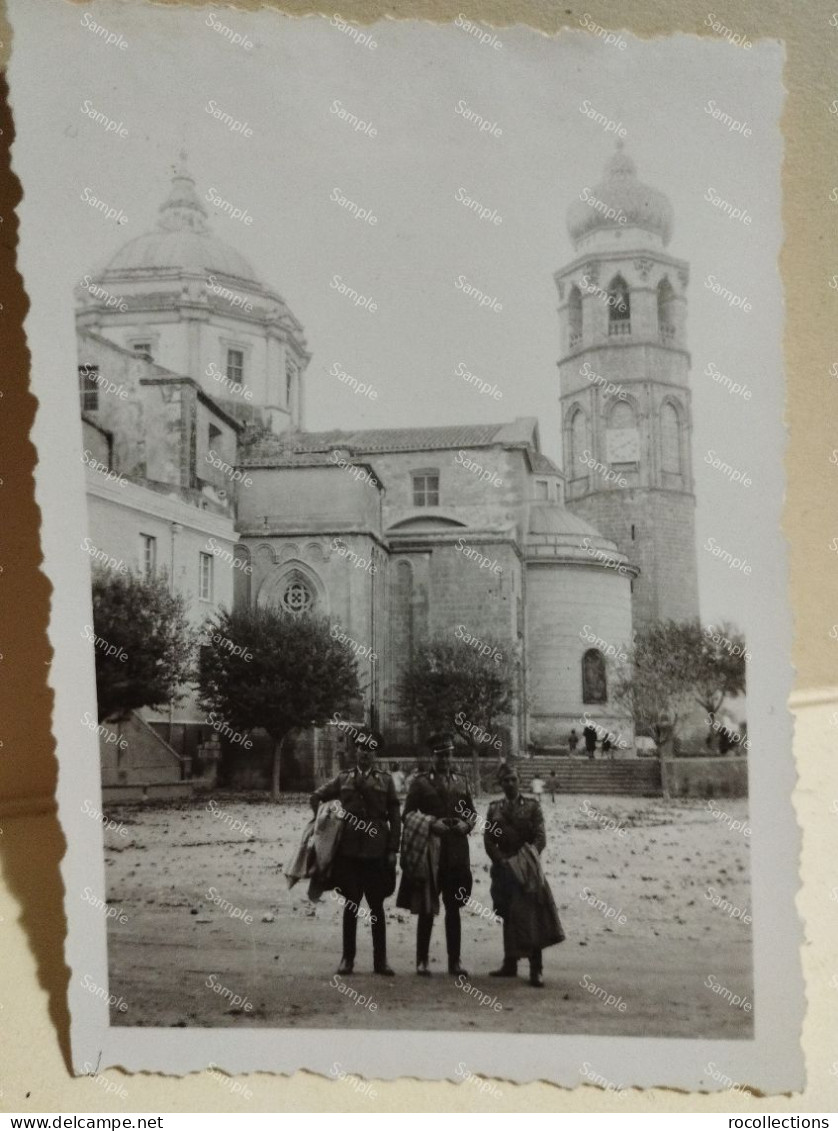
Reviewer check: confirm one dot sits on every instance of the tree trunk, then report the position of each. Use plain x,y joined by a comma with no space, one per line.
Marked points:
279,746
475,768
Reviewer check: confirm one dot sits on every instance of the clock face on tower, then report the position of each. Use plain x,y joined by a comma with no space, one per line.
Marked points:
622,445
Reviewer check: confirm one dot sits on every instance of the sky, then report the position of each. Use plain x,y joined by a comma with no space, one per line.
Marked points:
409,174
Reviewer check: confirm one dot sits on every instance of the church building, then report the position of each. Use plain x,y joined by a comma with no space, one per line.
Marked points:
384,531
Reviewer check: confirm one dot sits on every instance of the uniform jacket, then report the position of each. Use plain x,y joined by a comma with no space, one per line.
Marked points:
512,824
442,795
370,812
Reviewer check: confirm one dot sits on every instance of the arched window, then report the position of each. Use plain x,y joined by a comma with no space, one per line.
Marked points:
670,439
578,442
574,317
666,311
297,596
619,307
594,685
622,416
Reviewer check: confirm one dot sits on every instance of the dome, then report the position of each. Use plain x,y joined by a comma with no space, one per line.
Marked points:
552,518
182,240
623,195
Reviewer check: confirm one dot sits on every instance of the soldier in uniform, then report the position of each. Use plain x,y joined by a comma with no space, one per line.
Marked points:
365,865
444,795
530,919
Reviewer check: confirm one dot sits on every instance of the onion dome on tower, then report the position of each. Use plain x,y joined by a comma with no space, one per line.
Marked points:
620,201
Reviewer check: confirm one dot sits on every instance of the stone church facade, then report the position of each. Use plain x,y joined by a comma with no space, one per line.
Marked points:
380,530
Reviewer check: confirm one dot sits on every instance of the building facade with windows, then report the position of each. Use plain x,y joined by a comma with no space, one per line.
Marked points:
402,535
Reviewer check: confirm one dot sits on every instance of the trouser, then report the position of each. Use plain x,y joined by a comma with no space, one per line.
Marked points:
455,889
536,962
357,879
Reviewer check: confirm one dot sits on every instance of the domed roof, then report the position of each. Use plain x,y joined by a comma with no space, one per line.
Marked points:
552,518
621,192
182,240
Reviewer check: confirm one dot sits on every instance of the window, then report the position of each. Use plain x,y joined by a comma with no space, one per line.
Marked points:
670,439
426,488
297,597
214,435
205,577
578,443
594,686
666,311
574,317
619,307
148,545
89,388
142,349
235,365
542,490
632,532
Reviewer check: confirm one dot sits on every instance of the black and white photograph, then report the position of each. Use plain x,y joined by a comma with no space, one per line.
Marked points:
410,433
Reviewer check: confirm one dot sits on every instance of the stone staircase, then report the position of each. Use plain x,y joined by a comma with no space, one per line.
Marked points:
631,776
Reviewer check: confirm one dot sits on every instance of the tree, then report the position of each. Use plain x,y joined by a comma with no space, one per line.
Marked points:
673,664
142,640
449,685
280,671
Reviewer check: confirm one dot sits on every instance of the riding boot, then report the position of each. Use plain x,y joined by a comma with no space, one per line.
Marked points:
350,931
424,927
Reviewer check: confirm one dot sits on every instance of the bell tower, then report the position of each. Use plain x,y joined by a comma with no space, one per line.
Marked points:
624,387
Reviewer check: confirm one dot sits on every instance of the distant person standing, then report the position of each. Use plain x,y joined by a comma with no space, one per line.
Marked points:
589,734
537,785
552,786
398,777
607,748
572,741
